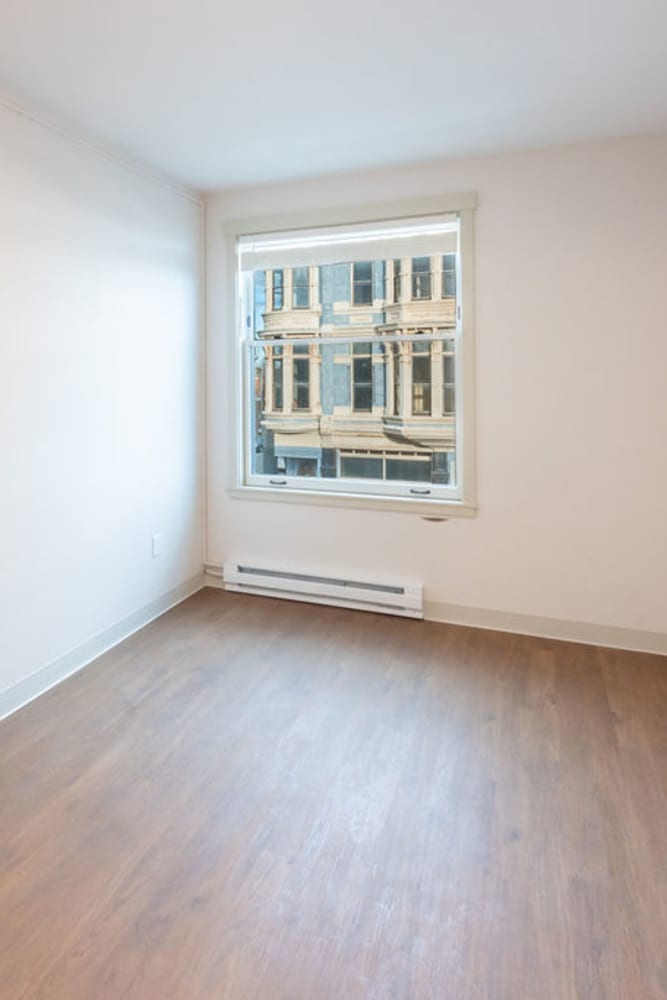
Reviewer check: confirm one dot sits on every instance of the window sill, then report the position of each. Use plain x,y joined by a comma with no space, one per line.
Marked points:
422,507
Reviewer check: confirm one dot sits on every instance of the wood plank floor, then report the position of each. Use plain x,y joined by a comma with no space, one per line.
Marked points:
258,799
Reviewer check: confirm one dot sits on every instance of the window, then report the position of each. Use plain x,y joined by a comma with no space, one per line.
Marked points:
277,295
362,283
300,377
277,373
356,466
449,276
396,352
362,378
300,288
421,380
448,380
397,281
398,466
421,278
405,367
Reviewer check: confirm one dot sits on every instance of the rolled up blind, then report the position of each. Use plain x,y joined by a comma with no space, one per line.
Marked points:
419,237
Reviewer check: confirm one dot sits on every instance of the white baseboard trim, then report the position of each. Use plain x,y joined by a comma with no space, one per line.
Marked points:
548,628
213,576
588,633
64,666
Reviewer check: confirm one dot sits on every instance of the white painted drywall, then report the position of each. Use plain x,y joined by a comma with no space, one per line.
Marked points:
100,394
571,296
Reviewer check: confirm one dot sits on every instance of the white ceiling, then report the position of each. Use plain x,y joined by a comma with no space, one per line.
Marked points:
219,94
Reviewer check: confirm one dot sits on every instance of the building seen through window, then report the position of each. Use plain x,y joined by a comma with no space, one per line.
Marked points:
355,370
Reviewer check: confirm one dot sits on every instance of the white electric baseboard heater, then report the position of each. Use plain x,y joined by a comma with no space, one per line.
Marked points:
388,599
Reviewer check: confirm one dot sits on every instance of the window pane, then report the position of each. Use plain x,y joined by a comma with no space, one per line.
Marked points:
397,281
362,380
338,391
449,275
278,383
362,270
448,378
362,283
421,369
363,370
354,467
277,300
421,400
303,467
409,470
421,381
421,277
397,379
301,288
301,384
363,401
284,444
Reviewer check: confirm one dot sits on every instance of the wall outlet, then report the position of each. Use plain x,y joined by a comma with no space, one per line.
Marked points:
156,545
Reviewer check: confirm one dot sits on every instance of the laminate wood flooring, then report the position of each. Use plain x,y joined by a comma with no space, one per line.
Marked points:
252,799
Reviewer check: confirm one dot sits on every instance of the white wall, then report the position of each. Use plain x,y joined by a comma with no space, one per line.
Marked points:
100,394
571,295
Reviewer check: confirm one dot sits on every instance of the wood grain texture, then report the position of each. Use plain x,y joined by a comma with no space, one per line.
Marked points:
258,799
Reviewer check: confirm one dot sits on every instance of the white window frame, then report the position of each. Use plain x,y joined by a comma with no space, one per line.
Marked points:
375,495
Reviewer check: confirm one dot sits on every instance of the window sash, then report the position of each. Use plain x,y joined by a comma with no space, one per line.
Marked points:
302,400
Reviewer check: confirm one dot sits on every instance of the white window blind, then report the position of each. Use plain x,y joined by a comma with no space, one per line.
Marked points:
335,244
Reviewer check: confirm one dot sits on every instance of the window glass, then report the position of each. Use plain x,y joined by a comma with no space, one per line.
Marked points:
449,276
301,382
421,381
300,288
421,277
277,378
277,300
362,283
397,280
358,467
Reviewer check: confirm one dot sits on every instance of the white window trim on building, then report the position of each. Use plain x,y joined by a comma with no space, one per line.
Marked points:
380,495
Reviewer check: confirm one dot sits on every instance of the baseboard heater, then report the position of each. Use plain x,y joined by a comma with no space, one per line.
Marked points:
388,599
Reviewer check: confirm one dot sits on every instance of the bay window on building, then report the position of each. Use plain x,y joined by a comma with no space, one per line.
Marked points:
341,402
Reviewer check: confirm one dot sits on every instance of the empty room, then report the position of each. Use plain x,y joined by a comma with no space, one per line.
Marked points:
333,519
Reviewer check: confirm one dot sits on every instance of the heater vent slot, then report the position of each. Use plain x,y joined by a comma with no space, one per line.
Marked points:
365,595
